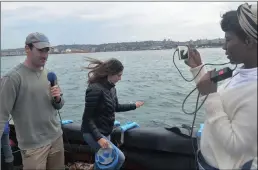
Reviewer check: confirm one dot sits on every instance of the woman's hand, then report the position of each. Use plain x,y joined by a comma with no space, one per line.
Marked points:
194,59
139,104
103,143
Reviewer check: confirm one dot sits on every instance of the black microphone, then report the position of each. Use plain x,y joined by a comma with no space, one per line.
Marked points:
221,74
52,78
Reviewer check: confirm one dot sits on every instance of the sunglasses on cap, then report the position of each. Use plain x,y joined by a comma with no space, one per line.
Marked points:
40,50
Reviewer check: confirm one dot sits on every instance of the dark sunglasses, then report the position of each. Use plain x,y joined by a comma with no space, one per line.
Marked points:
43,50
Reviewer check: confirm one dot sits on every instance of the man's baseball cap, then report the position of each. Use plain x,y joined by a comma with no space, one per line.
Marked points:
39,40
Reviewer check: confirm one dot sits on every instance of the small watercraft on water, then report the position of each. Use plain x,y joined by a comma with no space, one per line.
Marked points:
145,148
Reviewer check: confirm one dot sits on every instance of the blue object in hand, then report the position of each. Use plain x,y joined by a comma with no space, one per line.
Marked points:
107,159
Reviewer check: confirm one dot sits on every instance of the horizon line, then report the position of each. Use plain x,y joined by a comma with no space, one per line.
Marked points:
120,42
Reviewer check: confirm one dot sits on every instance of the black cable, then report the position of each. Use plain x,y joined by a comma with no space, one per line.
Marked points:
198,71
197,100
197,108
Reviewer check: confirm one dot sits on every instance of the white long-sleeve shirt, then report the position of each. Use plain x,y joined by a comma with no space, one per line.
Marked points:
229,137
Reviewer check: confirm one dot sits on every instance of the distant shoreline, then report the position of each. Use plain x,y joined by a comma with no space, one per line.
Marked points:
123,46
105,51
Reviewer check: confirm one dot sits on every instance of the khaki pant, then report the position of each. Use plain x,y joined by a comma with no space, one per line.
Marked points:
46,157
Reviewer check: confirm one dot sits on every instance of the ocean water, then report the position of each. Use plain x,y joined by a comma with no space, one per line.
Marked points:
149,76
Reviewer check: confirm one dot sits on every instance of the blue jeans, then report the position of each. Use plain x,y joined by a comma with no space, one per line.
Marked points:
94,145
7,150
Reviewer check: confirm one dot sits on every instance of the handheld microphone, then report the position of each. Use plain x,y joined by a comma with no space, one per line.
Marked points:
221,74
52,78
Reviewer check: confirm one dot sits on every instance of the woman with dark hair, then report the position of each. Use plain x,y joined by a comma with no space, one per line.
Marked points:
101,103
229,138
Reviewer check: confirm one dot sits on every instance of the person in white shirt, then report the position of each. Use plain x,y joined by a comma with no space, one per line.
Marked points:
229,138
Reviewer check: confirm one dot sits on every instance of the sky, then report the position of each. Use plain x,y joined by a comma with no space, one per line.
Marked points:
109,22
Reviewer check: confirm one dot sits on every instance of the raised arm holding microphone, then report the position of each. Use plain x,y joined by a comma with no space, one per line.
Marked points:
28,96
229,138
